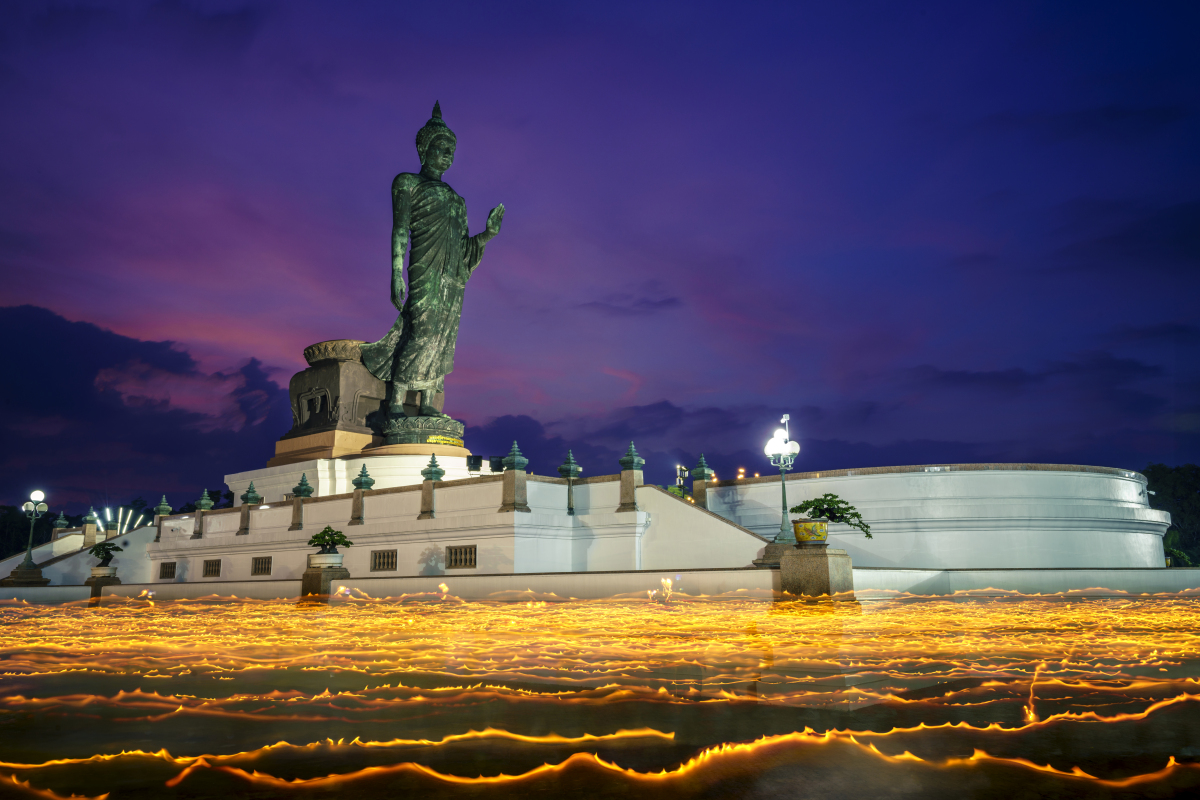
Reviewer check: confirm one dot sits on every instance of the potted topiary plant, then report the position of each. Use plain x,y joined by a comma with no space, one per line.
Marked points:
821,511
104,551
329,541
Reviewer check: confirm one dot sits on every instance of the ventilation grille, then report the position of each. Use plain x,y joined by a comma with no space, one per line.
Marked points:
462,557
260,565
383,560
212,569
166,571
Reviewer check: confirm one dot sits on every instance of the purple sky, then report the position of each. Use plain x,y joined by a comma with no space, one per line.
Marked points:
931,233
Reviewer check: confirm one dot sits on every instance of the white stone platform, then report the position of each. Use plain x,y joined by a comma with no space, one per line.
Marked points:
329,476
971,516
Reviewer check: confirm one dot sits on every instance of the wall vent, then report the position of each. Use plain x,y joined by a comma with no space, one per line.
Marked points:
461,557
383,560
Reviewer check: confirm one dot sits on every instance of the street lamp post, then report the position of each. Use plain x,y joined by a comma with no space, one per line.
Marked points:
782,452
33,509
28,573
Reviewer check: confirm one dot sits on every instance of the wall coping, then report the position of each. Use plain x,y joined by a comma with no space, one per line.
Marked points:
937,468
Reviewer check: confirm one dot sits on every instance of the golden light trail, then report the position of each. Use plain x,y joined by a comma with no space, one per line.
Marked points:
620,697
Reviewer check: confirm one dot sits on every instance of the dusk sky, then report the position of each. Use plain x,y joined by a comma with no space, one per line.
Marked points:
932,233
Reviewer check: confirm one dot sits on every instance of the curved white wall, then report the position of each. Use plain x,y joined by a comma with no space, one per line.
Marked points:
971,516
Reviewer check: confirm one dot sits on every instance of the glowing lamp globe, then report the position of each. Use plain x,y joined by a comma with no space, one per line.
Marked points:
37,496
776,447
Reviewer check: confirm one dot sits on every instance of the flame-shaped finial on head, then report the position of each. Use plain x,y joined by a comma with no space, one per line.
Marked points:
432,129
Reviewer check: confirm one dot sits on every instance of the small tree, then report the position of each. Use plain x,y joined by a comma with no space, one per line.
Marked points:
1178,557
329,540
834,509
104,551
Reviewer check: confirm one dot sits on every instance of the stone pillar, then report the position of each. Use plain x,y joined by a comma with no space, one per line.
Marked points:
811,569
356,508
631,478
161,512
701,477
297,514
426,500
198,525
516,496
249,499
300,491
361,484
570,471
202,506
432,474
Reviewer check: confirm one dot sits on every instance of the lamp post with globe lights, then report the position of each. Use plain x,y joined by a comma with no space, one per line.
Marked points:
27,573
782,451
33,509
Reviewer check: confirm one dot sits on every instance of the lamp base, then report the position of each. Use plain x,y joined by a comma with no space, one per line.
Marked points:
25,577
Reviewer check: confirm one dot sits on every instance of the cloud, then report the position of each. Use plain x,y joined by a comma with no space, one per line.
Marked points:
1175,333
1166,241
1114,123
625,305
95,413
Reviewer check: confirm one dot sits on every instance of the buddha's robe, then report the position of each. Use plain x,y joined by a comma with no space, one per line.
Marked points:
419,349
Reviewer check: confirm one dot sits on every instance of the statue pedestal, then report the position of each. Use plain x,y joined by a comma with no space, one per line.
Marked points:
811,570
331,401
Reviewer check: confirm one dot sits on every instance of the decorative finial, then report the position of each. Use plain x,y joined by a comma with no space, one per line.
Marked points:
570,469
514,460
91,516
251,497
702,472
437,110
363,481
162,509
631,459
61,522
205,502
303,488
433,472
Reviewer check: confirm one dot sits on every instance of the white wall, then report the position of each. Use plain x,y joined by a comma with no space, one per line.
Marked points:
997,518
681,535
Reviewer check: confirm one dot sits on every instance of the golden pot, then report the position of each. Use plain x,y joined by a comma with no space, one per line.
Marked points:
811,530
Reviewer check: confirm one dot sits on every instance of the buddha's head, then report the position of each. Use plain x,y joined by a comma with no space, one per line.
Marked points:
436,143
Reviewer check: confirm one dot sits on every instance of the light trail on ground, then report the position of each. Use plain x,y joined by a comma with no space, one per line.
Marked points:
622,697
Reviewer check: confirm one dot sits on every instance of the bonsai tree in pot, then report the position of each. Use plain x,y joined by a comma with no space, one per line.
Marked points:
104,551
835,509
329,541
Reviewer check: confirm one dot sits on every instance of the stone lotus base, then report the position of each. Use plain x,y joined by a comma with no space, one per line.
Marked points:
424,430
